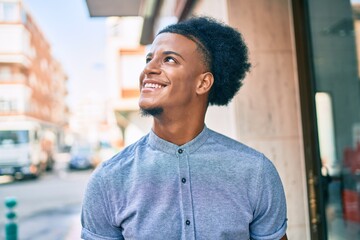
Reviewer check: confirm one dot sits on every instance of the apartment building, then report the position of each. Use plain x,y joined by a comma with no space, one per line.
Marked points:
33,111
32,82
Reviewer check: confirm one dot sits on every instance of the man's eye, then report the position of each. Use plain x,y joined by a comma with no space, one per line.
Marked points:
147,60
170,59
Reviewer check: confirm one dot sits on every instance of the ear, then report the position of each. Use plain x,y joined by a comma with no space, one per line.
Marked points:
206,80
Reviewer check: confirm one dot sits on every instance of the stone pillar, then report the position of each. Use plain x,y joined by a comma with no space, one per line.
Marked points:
267,109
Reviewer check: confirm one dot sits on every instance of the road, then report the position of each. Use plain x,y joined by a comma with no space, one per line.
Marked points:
49,207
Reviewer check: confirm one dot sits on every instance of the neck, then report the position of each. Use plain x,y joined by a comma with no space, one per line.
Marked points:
179,129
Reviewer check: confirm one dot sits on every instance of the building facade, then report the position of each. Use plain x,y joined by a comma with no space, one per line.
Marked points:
125,58
299,105
32,82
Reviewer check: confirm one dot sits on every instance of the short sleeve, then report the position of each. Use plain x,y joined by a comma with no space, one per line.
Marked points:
95,214
270,221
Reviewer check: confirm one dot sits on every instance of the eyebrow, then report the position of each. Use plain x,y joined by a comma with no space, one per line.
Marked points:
167,53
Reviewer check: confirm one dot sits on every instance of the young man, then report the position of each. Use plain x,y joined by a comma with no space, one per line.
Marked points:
183,180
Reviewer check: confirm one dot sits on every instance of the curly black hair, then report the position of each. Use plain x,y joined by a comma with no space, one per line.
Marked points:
224,51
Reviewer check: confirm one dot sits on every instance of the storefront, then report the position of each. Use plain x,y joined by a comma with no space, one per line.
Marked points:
328,60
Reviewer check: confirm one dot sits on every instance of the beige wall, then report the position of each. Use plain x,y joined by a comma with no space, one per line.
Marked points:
266,112
220,119
267,108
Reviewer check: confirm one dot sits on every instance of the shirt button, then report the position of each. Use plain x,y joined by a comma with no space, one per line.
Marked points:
183,180
187,222
180,151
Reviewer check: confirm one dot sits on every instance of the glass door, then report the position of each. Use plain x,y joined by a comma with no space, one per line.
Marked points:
334,43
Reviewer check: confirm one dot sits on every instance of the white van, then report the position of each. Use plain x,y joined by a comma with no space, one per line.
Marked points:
24,149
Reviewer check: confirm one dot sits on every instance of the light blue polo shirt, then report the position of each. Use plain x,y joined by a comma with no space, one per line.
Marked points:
212,187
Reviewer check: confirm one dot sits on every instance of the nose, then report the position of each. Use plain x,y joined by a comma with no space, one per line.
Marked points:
152,67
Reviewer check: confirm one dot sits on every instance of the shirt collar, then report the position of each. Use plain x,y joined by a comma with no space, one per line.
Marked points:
168,147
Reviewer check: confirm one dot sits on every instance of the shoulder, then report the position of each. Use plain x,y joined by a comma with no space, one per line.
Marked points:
122,158
250,159
222,143
127,152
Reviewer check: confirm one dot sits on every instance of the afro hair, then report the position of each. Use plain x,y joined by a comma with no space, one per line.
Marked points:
225,54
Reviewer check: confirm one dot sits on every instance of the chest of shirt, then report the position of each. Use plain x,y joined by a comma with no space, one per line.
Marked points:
183,197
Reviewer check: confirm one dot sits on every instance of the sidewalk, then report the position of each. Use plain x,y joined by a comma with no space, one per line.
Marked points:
74,230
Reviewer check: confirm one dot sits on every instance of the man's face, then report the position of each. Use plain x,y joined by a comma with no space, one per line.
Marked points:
169,79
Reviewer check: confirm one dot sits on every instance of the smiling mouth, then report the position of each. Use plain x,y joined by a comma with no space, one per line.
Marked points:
153,85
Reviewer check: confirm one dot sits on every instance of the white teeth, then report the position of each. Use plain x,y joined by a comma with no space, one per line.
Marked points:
152,85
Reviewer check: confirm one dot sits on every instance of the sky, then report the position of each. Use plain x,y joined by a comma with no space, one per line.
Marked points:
77,42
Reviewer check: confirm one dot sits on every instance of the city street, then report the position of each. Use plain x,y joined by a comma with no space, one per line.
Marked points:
49,207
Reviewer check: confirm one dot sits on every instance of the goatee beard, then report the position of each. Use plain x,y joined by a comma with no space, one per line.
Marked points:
151,112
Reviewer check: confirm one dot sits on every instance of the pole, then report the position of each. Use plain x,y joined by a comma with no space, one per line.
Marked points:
11,226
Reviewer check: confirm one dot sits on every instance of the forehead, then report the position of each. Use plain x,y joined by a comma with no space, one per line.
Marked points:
173,42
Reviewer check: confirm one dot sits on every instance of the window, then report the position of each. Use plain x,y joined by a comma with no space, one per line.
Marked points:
9,12
14,137
7,105
5,74
23,17
334,58
130,62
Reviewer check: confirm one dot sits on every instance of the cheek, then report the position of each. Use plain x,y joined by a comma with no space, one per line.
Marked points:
141,77
190,82
184,88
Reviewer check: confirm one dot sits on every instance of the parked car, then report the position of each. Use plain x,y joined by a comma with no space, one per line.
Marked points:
82,157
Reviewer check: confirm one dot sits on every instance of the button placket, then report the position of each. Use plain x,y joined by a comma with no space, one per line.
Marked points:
186,197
